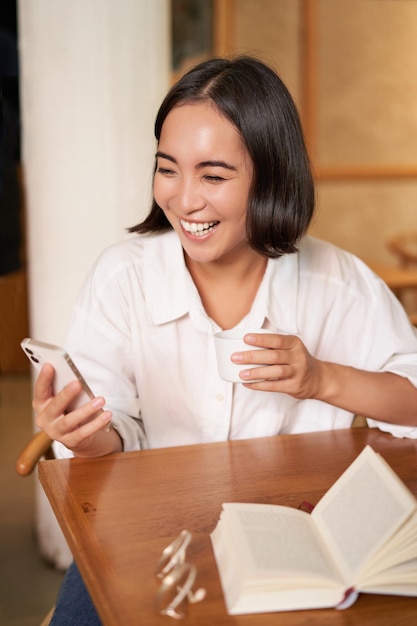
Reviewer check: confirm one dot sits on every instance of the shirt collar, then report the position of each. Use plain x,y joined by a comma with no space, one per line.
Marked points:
165,278
169,289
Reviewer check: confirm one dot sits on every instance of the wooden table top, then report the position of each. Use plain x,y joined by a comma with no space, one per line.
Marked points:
119,512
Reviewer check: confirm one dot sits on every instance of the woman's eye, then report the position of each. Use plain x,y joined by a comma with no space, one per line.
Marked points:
214,179
165,171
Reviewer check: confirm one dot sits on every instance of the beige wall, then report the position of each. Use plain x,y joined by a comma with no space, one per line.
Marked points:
367,81
360,215
271,29
363,63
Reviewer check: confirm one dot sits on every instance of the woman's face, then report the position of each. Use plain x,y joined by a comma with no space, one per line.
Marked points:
202,182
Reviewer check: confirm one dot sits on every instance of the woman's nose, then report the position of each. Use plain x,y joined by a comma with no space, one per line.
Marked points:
189,196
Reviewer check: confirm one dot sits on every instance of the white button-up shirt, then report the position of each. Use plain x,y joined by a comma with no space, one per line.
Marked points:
142,339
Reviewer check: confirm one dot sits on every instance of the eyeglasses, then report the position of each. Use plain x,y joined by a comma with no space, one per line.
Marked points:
177,578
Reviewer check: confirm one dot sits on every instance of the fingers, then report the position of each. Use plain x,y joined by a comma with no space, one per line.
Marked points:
269,372
278,349
284,365
73,428
53,419
43,385
43,391
272,340
301,379
280,355
263,357
79,436
51,410
60,403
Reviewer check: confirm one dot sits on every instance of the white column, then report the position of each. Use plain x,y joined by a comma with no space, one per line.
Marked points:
92,73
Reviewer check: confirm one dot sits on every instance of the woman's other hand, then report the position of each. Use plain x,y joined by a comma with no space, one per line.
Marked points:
287,366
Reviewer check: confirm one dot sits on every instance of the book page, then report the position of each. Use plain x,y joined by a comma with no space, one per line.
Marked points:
278,542
399,550
359,513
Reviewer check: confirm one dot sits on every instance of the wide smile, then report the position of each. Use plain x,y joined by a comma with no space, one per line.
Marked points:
198,229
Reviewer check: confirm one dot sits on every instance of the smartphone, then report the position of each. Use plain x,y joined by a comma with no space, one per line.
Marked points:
40,353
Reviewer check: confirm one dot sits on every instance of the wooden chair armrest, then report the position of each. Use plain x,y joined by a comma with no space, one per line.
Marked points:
35,449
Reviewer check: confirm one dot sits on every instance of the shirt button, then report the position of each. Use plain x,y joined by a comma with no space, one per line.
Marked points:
220,397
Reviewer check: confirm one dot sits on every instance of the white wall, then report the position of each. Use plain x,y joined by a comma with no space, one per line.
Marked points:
93,73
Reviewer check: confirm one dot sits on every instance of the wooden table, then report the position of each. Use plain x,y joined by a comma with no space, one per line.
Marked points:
118,513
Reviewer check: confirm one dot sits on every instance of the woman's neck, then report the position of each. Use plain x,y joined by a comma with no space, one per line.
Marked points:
227,289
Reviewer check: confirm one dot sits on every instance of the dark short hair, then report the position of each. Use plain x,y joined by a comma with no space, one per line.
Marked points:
253,97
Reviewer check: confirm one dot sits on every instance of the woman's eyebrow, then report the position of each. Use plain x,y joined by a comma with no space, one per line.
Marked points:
216,163
203,164
163,155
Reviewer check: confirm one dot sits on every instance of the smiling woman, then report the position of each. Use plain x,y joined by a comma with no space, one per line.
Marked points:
219,164
203,188
224,246
266,127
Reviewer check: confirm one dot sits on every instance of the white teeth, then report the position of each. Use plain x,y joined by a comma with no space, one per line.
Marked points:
197,228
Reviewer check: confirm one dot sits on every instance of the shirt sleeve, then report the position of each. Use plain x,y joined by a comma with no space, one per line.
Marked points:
99,343
394,344
366,325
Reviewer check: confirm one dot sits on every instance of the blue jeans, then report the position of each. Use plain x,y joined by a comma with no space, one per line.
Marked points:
73,604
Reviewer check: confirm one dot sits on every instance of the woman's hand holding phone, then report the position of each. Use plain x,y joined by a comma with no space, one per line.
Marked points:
80,429
65,407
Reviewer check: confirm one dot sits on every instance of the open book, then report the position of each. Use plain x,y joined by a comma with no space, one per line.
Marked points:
360,537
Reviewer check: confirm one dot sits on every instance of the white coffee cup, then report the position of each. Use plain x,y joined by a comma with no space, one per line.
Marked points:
229,341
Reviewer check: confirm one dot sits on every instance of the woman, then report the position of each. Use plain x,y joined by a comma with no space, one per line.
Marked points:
225,245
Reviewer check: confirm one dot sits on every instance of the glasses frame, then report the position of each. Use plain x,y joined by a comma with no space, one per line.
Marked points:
177,576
